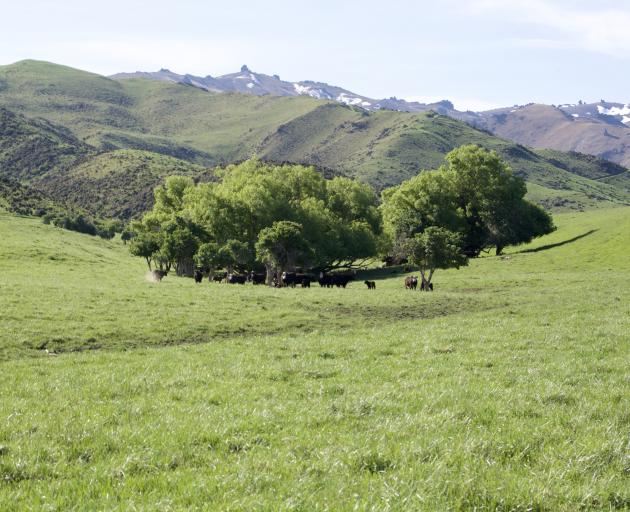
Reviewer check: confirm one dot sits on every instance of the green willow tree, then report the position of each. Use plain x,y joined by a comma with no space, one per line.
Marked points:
282,246
342,223
475,194
435,248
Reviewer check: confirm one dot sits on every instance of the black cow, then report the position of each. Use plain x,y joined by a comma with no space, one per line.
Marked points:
338,280
218,278
236,279
342,280
370,284
325,281
158,274
289,279
198,276
292,279
256,278
411,283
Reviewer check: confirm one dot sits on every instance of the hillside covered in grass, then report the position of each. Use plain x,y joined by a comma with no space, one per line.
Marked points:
208,129
123,393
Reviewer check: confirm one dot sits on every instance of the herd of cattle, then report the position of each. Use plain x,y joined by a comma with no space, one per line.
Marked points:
292,279
286,279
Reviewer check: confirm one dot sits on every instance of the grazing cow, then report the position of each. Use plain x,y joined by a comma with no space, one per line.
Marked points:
292,279
426,287
411,283
325,281
256,278
370,284
198,276
158,274
289,279
338,280
342,280
218,278
236,279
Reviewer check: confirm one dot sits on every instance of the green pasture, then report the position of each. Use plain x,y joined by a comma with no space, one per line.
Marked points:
508,388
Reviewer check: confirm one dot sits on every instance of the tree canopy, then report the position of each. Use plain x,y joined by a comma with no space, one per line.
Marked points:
435,248
285,216
475,194
340,220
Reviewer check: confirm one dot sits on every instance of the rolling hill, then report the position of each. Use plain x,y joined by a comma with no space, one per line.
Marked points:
601,129
203,128
44,160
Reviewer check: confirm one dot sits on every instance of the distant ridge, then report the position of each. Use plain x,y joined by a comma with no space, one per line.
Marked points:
600,129
104,144
247,81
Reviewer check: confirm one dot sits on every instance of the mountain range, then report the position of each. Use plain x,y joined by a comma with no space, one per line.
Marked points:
104,143
600,129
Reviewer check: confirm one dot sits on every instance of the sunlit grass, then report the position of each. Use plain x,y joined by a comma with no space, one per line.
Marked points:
505,389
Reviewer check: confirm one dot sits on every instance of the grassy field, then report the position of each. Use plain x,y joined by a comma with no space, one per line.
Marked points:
506,389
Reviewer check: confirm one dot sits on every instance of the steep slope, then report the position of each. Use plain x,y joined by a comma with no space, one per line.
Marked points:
45,160
30,148
21,199
382,147
594,129
117,183
385,148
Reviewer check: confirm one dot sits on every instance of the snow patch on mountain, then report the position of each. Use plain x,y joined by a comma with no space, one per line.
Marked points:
313,92
614,111
352,100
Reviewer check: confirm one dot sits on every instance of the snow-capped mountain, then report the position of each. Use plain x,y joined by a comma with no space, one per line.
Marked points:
601,129
249,82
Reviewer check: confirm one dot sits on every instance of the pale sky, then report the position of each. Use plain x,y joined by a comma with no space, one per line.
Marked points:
477,53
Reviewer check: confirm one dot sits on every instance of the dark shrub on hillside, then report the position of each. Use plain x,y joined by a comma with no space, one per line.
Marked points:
75,222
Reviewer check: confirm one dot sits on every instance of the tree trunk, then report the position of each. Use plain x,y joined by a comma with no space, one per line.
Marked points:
499,250
185,267
423,281
269,277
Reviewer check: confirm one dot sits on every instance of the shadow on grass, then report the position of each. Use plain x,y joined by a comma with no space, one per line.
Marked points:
559,244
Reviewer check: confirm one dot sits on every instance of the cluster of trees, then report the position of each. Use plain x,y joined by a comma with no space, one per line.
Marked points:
81,223
287,216
260,215
25,200
470,205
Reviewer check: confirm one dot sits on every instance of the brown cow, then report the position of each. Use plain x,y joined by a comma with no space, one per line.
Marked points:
411,283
